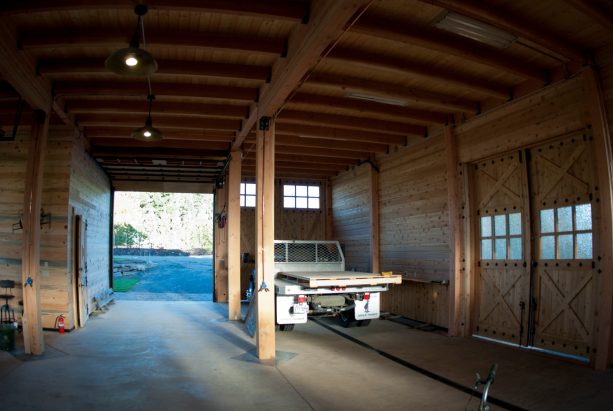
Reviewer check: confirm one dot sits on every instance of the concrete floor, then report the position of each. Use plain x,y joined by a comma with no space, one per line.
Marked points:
186,355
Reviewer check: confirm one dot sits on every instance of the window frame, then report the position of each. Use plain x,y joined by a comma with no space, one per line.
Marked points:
295,196
507,236
244,195
573,232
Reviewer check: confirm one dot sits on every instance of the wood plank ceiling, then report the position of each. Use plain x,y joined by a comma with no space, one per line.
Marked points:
390,77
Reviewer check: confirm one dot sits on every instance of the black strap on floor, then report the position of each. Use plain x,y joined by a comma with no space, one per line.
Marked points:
423,371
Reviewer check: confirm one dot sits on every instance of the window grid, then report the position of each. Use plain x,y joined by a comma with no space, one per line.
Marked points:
501,237
301,197
247,194
560,240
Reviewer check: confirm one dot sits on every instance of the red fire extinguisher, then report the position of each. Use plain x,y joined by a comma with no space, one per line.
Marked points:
60,323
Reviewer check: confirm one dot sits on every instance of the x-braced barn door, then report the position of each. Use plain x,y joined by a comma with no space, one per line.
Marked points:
565,210
503,274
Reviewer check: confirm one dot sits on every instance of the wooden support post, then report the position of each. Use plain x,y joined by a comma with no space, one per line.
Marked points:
373,182
468,260
455,243
329,221
30,263
264,234
603,157
234,237
221,249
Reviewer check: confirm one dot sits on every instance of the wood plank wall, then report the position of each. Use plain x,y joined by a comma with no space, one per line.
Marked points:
413,192
351,216
289,225
90,197
89,183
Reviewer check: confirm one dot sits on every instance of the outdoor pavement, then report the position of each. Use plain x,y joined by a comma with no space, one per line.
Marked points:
173,279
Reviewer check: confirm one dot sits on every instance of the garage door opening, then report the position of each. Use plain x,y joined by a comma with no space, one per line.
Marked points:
162,246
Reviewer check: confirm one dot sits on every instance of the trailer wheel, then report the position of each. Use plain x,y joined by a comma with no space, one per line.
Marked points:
287,327
347,319
363,323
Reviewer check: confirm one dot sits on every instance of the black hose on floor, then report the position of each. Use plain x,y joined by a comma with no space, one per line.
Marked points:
423,371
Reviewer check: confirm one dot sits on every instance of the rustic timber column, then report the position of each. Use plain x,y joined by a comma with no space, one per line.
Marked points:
264,235
221,249
234,237
30,262
602,144
455,243
373,182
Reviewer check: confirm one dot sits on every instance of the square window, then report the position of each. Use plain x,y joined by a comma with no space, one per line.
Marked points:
314,203
547,221
301,202
289,202
486,226
250,201
313,191
301,191
289,190
486,249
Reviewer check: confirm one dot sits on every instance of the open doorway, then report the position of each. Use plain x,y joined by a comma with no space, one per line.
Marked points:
163,245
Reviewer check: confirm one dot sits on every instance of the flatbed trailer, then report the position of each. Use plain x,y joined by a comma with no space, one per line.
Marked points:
311,281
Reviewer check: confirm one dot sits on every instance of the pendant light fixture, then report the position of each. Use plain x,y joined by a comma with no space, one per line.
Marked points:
133,61
148,132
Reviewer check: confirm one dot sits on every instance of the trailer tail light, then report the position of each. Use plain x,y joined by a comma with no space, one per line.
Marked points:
302,299
366,296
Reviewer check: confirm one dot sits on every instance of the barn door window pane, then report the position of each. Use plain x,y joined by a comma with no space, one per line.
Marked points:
566,232
501,237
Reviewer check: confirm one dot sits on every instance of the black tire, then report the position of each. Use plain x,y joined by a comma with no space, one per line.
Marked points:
347,319
363,323
287,327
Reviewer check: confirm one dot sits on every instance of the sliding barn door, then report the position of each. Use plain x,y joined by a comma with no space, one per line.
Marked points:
565,275
503,275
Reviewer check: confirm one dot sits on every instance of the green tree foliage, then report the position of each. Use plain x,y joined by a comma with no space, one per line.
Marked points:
170,220
125,235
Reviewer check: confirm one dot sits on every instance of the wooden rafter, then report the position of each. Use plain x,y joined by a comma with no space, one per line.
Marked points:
119,134
595,11
176,122
400,64
356,155
412,94
80,89
104,38
306,46
398,30
520,26
296,141
166,107
166,143
281,9
331,133
350,122
417,115
66,67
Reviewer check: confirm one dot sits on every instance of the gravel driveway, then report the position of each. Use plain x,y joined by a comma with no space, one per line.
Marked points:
173,279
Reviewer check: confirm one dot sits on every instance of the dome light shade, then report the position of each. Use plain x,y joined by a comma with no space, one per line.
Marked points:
148,132
131,61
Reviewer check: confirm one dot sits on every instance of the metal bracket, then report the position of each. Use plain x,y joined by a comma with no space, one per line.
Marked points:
264,124
45,218
29,282
18,225
264,287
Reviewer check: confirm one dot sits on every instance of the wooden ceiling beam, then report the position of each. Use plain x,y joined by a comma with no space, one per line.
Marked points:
356,137
350,122
160,121
99,142
378,61
303,165
595,11
278,9
423,116
443,42
355,155
249,170
518,25
295,141
104,38
159,107
296,175
68,67
307,45
169,134
304,157
144,152
72,89
411,94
